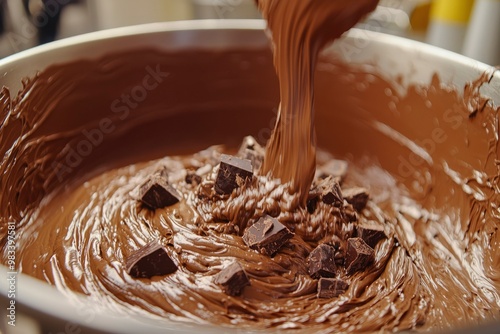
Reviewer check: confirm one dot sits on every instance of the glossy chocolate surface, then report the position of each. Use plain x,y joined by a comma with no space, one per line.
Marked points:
431,170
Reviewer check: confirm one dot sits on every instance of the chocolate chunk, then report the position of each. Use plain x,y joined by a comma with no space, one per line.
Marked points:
326,190
232,279
150,260
349,213
193,178
157,193
329,189
312,203
371,233
233,173
331,287
358,255
358,197
335,168
322,261
251,150
267,235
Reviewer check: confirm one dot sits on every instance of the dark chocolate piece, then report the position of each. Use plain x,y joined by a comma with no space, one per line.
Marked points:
193,178
251,150
267,235
312,203
232,279
233,173
349,213
358,197
150,260
335,168
330,191
358,255
331,287
156,193
371,233
322,261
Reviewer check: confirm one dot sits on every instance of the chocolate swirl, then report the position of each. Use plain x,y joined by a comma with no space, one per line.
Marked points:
436,187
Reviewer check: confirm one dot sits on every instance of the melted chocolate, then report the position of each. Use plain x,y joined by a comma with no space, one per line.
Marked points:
76,234
299,30
428,158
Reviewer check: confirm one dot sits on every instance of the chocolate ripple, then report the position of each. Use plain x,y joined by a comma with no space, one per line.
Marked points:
99,223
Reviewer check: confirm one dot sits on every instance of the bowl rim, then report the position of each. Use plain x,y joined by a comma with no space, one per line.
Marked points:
418,50
140,29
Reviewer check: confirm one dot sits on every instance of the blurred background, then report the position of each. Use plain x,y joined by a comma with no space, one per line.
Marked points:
470,27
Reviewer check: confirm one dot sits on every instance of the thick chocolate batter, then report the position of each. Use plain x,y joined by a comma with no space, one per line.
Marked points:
429,158
440,271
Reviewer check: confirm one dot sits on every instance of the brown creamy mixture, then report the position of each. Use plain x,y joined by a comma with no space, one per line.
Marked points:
432,171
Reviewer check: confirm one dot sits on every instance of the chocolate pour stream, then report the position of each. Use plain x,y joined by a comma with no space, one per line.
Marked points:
299,30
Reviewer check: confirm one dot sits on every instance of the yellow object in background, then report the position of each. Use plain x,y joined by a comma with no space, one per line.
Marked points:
456,11
449,20
420,17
